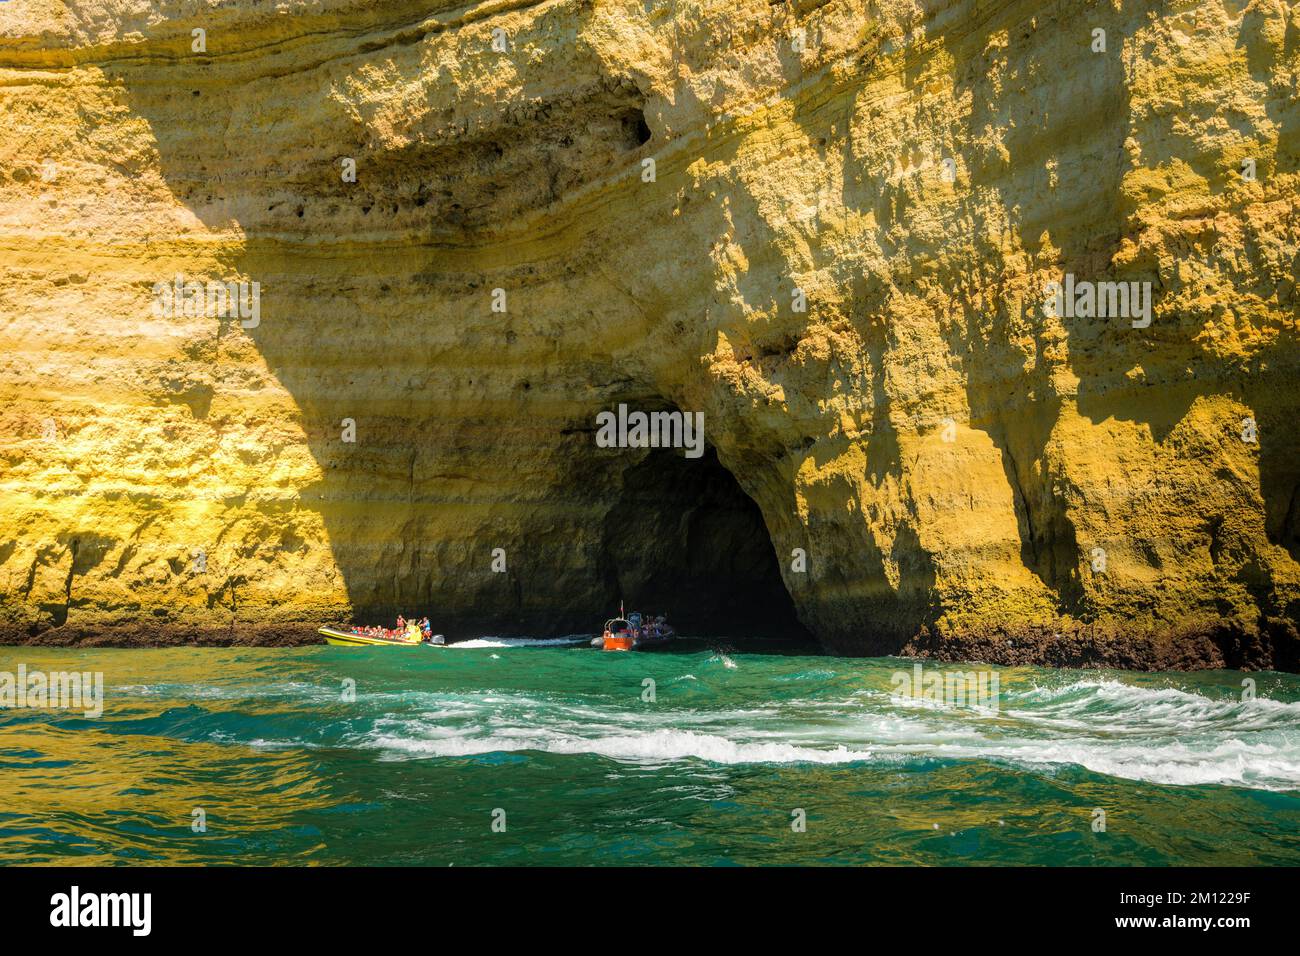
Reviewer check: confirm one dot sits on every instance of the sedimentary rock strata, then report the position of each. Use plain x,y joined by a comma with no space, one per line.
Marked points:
830,227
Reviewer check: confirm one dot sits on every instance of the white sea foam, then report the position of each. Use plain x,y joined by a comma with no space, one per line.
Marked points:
1159,735
499,642
1125,708
658,746
1230,762
1145,730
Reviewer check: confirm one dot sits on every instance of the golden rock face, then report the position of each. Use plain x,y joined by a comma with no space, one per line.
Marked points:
831,227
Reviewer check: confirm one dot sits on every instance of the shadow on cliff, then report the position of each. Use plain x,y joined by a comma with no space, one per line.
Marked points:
555,534
1005,199
869,586
1147,376
1276,408
684,536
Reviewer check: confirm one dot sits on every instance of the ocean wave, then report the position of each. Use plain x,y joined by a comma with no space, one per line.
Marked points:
1185,752
1119,707
1151,733
296,690
1229,762
653,747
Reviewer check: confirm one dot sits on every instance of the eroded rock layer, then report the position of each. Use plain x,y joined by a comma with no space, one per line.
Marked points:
829,226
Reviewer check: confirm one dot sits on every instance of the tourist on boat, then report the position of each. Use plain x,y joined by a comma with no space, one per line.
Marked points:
426,627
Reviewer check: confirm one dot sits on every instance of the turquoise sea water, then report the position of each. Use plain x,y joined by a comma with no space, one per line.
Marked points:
558,740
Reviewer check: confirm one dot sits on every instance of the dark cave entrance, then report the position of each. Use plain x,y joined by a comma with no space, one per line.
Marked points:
686,540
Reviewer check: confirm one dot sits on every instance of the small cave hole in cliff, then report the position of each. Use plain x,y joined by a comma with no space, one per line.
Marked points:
686,540
636,129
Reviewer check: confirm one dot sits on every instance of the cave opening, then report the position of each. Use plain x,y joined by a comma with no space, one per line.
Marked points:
685,539
636,131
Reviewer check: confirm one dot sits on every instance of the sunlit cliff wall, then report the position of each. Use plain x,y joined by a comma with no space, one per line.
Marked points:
839,255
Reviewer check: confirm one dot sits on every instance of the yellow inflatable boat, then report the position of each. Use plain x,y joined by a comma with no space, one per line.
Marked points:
343,638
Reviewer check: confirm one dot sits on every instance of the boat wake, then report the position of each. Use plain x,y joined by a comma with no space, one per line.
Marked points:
500,642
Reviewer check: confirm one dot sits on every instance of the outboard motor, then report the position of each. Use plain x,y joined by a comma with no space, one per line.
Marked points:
437,639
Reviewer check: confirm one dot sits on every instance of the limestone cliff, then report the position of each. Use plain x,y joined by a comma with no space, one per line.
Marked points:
841,253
